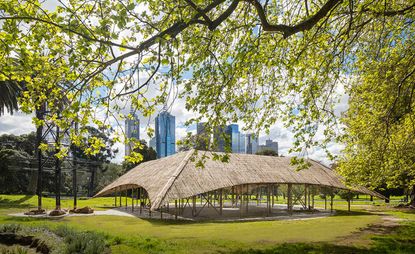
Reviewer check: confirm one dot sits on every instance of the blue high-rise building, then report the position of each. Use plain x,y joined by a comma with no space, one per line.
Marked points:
132,131
165,134
237,139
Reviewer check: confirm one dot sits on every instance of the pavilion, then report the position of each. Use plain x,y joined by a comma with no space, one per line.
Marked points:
176,184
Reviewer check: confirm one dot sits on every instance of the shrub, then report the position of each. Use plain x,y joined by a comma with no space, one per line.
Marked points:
10,228
82,242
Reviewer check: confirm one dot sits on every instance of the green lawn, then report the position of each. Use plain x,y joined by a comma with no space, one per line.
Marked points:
133,235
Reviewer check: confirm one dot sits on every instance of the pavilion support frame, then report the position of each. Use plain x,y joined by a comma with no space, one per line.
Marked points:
217,199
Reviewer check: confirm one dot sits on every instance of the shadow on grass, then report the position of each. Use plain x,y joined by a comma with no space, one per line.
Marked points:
400,240
5,202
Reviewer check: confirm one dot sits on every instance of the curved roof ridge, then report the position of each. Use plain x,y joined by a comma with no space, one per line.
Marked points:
162,194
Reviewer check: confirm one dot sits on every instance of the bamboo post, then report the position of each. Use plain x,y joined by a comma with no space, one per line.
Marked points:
273,193
120,197
175,209
115,198
331,203
325,202
247,198
289,197
240,201
276,193
194,206
305,195
268,200
221,201
132,200
126,195
233,196
141,200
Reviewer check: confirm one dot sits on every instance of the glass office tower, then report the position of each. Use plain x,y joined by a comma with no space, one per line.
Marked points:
165,134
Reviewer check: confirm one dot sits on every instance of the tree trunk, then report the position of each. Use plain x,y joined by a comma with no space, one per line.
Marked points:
92,181
412,202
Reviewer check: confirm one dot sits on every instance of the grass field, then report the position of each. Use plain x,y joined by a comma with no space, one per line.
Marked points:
324,235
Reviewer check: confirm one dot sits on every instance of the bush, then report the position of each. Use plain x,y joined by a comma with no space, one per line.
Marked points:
16,250
82,242
10,228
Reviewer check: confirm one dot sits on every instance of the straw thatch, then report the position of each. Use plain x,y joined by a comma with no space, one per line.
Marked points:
177,176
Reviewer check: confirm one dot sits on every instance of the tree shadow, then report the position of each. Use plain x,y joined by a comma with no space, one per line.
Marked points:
399,239
5,202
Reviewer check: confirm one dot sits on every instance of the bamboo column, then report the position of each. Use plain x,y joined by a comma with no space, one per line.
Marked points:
247,198
141,200
126,195
175,209
221,201
268,200
289,197
305,195
325,202
120,197
115,198
233,196
194,206
331,203
132,200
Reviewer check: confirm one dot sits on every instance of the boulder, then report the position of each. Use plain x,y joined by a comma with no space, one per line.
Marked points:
57,213
83,210
35,212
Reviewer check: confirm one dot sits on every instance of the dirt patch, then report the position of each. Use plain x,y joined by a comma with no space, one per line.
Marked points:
363,237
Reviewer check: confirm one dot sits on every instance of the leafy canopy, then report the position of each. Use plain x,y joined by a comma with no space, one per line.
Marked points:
254,61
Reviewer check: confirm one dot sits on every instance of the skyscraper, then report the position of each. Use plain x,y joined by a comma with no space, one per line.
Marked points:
165,134
251,143
203,138
132,130
236,138
219,138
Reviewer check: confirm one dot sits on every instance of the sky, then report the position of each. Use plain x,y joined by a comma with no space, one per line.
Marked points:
20,123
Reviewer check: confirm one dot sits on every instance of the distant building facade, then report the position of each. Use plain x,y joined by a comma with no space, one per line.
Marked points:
152,143
165,134
202,137
237,139
132,130
251,143
219,139
269,145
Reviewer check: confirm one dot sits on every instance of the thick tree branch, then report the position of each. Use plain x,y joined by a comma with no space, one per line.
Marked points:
287,30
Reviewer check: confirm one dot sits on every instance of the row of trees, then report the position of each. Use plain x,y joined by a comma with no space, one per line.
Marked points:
19,174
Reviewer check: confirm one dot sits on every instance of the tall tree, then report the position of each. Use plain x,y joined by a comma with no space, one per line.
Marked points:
254,61
380,123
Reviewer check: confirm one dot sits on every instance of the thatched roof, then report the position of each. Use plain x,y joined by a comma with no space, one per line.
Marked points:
177,176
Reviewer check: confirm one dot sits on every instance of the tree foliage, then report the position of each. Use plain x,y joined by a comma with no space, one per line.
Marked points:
380,123
254,61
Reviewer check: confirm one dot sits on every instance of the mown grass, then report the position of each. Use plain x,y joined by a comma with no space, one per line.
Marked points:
27,202
133,235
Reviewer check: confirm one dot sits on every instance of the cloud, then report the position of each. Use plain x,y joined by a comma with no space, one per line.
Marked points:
18,123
